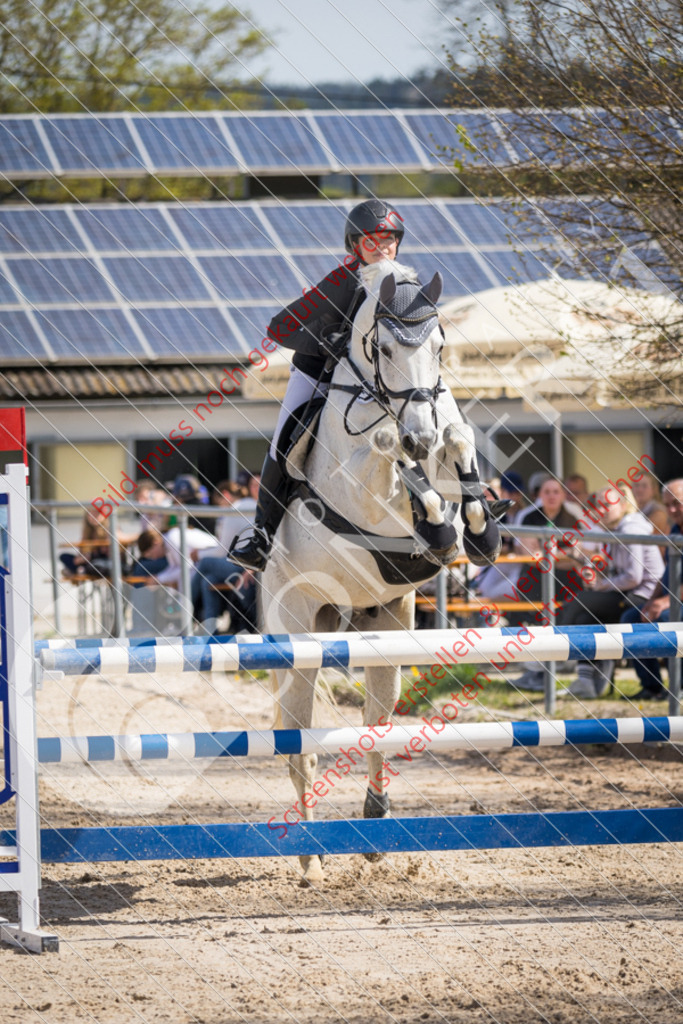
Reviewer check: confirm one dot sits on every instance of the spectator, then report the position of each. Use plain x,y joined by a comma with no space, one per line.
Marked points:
512,488
646,496
550,512
216,568
576,490
187,491
153,559
227,492
197,540
148,493
657,608
94,558
536,481
627,579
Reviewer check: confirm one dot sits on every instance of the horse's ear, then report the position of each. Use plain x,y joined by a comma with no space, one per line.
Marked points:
433,290
387,289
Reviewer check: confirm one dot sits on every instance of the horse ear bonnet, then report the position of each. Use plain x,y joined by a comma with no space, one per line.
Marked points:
408,309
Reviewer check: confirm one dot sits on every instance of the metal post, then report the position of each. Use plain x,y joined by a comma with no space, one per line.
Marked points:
119,625
675,616
556,441
549,667
441,614
54,569
185,596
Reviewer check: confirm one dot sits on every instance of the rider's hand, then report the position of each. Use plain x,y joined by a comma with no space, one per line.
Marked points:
334,342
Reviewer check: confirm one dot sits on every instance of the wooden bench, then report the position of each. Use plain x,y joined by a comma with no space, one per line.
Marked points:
469,605
462,607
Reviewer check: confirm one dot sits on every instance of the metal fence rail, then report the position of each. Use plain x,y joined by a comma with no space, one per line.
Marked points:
49,511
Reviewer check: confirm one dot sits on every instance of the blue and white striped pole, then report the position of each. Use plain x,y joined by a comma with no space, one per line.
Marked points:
473,736
431,636
364,650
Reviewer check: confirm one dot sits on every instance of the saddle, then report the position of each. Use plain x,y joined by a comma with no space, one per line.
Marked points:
296,440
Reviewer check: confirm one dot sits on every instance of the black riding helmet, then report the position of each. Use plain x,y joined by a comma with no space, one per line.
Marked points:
369,218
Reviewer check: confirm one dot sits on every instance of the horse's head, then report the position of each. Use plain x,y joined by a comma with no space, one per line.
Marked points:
397,345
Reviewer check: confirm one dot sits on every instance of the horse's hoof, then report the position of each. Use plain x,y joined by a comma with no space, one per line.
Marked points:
313,872
482,548
376,805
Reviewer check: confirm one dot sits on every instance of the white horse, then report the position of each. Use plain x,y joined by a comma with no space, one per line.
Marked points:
354,543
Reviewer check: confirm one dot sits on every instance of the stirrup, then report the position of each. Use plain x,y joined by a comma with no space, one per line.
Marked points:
251,552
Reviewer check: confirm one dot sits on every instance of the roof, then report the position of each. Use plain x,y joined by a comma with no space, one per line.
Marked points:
112,382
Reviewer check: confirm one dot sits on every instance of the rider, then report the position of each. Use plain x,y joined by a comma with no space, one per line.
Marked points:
373,232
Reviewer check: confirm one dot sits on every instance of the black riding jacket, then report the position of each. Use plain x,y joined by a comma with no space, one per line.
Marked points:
299,324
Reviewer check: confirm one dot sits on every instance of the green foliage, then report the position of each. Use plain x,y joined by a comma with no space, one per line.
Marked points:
62,56
614,68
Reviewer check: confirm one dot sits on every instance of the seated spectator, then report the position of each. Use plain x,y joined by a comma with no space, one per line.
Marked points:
188,491
656,609
197,541
153,559
147,493
512,489
551,511
646,496
625,578
94,558
576,490
536,481
216,568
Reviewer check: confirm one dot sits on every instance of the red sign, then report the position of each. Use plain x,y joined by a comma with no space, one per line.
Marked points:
13,434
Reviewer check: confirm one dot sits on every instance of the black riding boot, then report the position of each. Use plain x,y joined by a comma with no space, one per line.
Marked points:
252,551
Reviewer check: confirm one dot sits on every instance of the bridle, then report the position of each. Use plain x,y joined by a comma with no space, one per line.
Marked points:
378,390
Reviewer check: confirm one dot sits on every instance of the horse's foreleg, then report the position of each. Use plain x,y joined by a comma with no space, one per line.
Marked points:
481,536
296,695
382,690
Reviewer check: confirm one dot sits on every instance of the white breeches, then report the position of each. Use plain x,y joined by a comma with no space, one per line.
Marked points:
300,388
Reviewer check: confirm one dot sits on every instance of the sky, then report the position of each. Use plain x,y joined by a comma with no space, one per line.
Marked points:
345,40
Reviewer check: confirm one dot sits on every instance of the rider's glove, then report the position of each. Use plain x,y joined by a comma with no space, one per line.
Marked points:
334,343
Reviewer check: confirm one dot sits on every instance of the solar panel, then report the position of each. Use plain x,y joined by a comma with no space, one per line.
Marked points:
519,268
18,339
550,139
490,224
8,296
372,140
21,148
250,277
277,142
128,228
461,273
90,334
178,333
316,266
93,144
59,280
221,226
156,279
35,229
308,225
253,321
631,135
468,138
585,222
185,142
426,225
